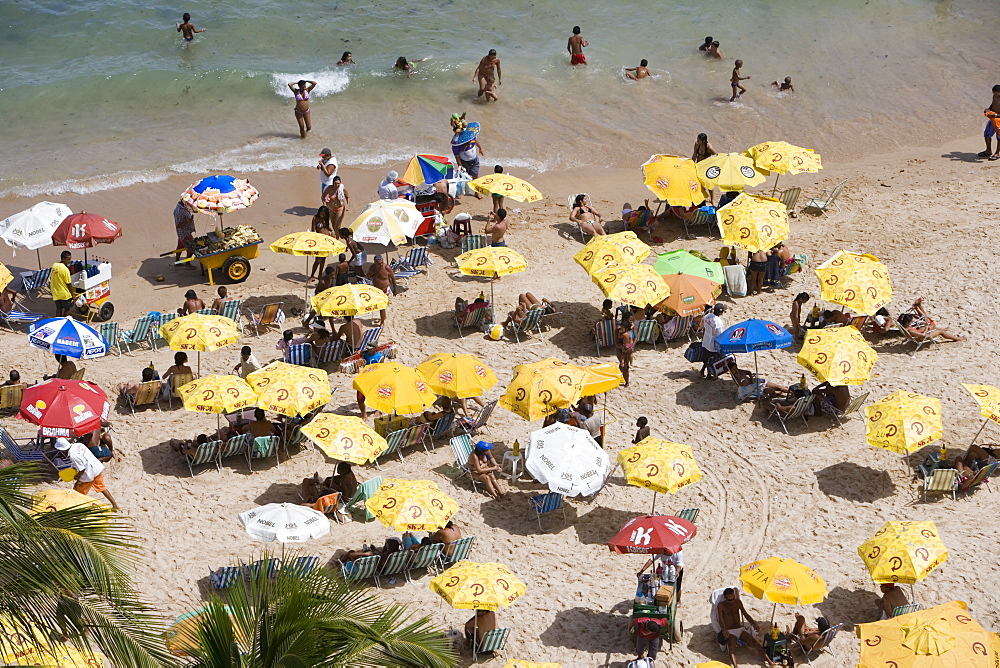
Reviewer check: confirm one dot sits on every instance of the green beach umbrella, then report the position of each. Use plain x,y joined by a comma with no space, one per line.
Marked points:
683,262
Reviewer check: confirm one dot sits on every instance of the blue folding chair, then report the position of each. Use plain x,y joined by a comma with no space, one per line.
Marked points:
299,353
543,504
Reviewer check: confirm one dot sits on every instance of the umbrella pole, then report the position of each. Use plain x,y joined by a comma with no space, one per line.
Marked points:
653,509
773,608
985,422
756,378
39,256
775,189
305,295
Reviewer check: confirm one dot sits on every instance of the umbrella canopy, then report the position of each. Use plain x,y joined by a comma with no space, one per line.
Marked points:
689,294
428,169
491,262
838,355
753,222
387,222
392,387
659,465
85,230
20,649
506,185
567,459
632,284
182,636
903,552
310,244
944,636
859,282
783,581
65,407
351,299
217,394
673,179
903,422
200,332
752,335
729,171
290,389
473,586
601,378
712,664
345,438
653,534
988,399
541,388
5,276
457,375
682,262
220,194
66,336
33,228
285,523
411,505
605,249
50,500
784,158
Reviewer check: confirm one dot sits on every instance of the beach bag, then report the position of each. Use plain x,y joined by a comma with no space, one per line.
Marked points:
695,352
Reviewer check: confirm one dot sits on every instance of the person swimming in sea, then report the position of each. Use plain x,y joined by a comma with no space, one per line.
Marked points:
404,65
187,28
301,90
784,85
346,59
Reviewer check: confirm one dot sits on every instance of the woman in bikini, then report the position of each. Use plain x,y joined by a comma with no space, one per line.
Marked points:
626,347
587,216
335,196
301,90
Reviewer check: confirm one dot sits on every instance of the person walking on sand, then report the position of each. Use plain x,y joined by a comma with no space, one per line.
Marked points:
187,28
992,126
487,78
575,48
735,80
636,73
336,199
327,167
301,91
90,470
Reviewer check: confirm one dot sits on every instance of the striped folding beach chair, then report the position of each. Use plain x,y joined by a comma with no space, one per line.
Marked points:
231,309
677,327
493,641
532,322
269,566
474,242
441,426
237,445
300,567
21,449
225,577
403,271
396,441
604,334
177,381
701,217
365,492
19,315
109,331
480,419
141,331
33,283
418,257
206,311
331,351
647,331
543,504
461,447
164,319
299,354
268,316
427,557
263,447
394,565
459,551
359,569
207,453
369,337
473,319
689,514
146,394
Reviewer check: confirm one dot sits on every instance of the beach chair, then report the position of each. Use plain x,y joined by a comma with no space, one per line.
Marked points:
906,609
426,557
394,565
982,476
269,566
418,257
821,645
237,445
912,338
473,319
647,331
109,332
479,420
941,481
474,242
403,271
206,311
789,198
604,334
78,374
207,453
461,447
19,315
177,381
11,395
676,327
359,569
365,491
459,551
225,577
331,351
689,514
532,322
164,318
263,447
851,409
442,425
747,392
328,504
147,393
300,567
493,641
270,315
542,504
396,440
141,331
798,411
299,354
231,309
21,449
369,337
701,217
33,283
825,200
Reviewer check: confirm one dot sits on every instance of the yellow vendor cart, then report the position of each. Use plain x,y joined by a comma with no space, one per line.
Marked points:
231,251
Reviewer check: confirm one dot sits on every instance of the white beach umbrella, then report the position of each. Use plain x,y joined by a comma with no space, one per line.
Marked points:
285,523
387,222
33,228
567,459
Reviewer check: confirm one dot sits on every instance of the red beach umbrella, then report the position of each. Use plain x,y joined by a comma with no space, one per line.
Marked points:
653,534
85,230
65,407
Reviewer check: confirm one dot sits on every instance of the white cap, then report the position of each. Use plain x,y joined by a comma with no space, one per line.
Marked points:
62,444
392,176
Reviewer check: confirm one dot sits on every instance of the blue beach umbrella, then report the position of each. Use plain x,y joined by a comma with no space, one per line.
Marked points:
751,336
66,336
220,194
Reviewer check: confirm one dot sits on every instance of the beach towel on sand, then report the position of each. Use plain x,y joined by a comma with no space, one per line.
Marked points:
736,280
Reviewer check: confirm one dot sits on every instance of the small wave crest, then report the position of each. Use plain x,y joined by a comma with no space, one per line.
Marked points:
86,185
328,82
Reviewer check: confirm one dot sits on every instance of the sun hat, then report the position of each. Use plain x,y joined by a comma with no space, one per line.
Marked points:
483,445
326,152
62,444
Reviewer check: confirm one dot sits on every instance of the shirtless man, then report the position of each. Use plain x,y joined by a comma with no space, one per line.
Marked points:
383,278
575,47
66,368
713,50
351,331
223,298
636,73
191,303
992,119
731,615
497,229
485,75
892,597
735,80
187,28
642,430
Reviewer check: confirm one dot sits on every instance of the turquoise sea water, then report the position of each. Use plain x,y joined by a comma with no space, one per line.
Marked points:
100,93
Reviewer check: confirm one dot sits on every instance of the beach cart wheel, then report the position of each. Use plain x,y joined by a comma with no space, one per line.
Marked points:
237,269
106,312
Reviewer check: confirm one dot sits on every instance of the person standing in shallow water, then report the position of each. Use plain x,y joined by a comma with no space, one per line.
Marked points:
575,47
301,91
187,28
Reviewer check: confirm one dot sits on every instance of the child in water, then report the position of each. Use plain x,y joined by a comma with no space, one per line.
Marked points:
784,85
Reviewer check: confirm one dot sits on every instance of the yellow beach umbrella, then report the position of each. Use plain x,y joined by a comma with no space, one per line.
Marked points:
474,586
387,221
903,552
712,664
659,465
673,179
352,299
783,581
541,388
5,276
217,394
729,171
632,284
345,438
53,656
753,222
838,355
411,505
309,245
903,422
182,636
859,282
290,389
49,500
392,387
506,186
944,636
199,332
457,375
518,663
606,249
988,398
601,378
784,158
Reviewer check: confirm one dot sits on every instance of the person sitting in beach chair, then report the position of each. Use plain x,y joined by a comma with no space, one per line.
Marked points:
922,327
343,481
442,404
586,216
66,370
782,399
483,467
975,458
131,389
811,639
481,623
390,547
754,386
830,318
892,597
731,614
188,447
446,535
638,220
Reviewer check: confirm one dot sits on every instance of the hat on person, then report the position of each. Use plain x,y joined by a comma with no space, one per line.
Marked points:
326,152
378,258
483,445
719,309
62,444
392,176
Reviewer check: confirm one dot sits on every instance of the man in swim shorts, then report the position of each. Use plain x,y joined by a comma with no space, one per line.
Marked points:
497,229
731,615
992,126
575,48
735,80
485,75
187,28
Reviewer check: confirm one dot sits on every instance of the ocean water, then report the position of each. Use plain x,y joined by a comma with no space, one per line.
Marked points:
96,94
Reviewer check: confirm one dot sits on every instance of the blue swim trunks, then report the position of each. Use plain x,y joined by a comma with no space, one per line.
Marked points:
991,130
499,244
